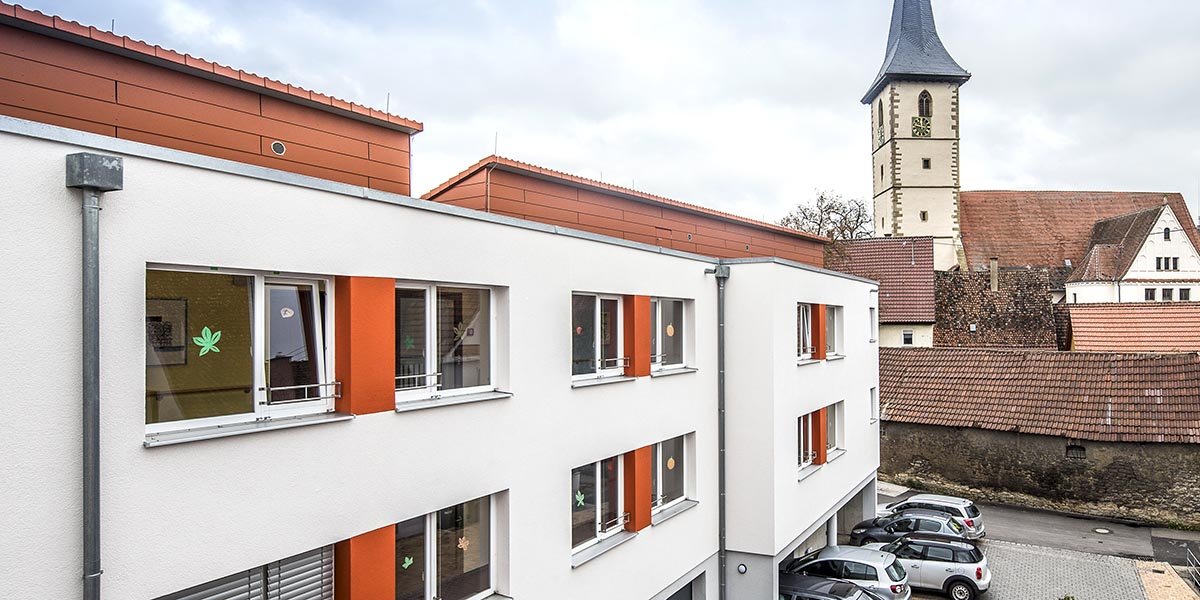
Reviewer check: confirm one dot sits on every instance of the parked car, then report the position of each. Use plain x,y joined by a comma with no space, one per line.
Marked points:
964,511
956,567
806,587
893,527
878,572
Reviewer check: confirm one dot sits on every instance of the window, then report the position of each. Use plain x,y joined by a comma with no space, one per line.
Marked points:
1158,263
833,330
1166,234
1168,294
874,323
939,553
874,404
833,426
859,571
1076,451
229,347
666,333
597,507
928,525
1150,295
881,113
925,104
453,544
1185,293
924,215
1174,263
596,336
443,339
907,337
902,526
668,472
804,345
311,571
825,568
926,163
806,439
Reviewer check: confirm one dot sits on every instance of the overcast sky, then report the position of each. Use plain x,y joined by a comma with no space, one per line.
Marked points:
748,106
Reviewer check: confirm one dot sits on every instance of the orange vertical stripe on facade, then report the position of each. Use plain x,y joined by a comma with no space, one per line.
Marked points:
637,335
820,436
364,566
365,322
818,331
638,488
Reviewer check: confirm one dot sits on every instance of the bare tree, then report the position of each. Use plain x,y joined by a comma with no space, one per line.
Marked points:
833,217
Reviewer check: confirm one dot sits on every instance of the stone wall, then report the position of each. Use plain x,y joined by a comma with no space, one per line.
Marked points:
1018,315
1147,482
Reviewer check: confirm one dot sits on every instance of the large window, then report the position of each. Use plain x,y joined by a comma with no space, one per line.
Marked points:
833,330
597,506
443,339
925,104
834,418
596,336
807,439
308,575
804,333
453,544
666,333
226,347
668,472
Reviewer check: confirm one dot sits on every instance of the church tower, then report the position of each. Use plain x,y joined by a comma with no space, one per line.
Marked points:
915,134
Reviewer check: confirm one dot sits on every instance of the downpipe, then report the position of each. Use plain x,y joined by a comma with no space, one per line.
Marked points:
722,274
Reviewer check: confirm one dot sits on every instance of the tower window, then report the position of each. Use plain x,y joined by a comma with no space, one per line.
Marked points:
926,163
925,104
924,215
881,113
880,172
1166,234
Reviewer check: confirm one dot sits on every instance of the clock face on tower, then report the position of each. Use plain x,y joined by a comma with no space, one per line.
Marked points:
920,126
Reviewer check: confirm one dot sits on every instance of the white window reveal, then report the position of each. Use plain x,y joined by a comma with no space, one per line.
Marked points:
444,340
834,429
597,502
874,404
833,330
668,472
446,555
226,347
597,341
804,333
806,439
666,333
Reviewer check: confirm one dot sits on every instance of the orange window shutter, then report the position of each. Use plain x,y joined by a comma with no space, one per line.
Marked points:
818,331
364,566
365,336
637,335
638,488
820,436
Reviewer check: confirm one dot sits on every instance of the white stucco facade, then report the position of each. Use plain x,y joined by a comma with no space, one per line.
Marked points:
1166,264
179,515
891,335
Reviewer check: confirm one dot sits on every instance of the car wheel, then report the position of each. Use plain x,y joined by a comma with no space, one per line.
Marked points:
866,541
961,590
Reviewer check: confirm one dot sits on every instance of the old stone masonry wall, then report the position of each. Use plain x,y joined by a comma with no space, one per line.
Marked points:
1148,482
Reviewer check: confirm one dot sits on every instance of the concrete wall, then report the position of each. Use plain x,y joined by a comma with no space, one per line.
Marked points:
892,335
1149,481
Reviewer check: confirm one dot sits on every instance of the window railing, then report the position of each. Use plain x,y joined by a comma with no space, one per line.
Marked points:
430,380
334,387
618,362
614,524
807,456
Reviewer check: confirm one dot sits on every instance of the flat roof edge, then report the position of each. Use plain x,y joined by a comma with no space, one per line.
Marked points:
795,265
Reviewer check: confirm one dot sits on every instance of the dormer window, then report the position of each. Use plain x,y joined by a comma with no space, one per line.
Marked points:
925,104
1166,234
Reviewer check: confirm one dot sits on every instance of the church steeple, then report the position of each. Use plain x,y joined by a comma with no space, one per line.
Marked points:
914,50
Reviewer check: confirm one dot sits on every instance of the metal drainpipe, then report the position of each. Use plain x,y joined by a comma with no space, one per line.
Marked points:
94,174
722,274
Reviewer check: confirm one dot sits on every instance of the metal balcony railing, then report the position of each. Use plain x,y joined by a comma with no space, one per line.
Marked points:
334,387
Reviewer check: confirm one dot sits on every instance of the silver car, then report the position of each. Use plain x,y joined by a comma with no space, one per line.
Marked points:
953,566
964,511
879,572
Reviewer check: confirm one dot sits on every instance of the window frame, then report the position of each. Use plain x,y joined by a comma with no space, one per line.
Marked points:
263,410
656,357
433,381
925,104
1185,294
835,422
834,323
1150,294
601,533
907,337
656,483
622,361
1166,234
874,404
1168,294
431,562
805,454
804,335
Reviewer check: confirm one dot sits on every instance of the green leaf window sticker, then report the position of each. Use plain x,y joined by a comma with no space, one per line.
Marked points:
207,340
408,561
579,498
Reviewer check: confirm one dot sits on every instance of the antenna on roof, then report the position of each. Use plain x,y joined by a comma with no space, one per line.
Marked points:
112,26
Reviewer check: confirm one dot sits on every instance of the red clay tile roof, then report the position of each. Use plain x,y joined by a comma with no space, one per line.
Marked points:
1136,326
1114,245
1039,228
516,166
1096,396
32,20
903,266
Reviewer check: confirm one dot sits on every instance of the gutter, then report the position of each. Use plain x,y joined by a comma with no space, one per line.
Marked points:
722,274
93,174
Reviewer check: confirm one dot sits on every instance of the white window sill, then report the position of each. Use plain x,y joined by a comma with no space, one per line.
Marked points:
421,404
672,371
834,454
832,357
806,471
807,361
872,341
582,383
219,431
874,421
671,511
604,545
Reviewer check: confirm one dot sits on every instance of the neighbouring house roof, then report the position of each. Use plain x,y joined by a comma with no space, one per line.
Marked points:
1114,245
1135,327
1017,315
1047,228
57,27
903,266
914,50
1098,396
523,168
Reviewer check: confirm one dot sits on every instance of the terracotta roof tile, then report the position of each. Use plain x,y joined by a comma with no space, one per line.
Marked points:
1114,245
32,20
903,266
1136,326
516,166
1095,396
1046,228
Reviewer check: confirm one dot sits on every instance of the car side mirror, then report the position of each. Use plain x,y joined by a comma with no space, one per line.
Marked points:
890,529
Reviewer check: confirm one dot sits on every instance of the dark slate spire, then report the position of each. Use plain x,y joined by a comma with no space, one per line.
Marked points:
914,50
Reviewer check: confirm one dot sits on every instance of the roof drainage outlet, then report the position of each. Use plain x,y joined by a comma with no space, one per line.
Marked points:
278,148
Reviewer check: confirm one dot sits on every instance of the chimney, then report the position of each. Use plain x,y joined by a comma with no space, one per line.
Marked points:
994,266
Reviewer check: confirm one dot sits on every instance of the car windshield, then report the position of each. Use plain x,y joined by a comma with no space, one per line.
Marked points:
895,571
972,512
954,525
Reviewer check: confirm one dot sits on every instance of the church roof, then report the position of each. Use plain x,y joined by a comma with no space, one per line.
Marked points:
914,50
1114,245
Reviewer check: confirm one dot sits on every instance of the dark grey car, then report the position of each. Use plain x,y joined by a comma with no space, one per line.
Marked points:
807,587
893,527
